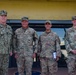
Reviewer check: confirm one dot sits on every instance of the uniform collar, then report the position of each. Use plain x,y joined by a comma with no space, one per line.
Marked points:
48,32
24,29
1,25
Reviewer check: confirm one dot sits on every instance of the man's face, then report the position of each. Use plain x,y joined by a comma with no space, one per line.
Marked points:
74,23
3,18
48,26
24,24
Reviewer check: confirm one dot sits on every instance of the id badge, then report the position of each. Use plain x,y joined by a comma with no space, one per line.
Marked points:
54,55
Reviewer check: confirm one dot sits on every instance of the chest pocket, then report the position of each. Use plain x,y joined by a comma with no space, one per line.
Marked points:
29,39
19,36
72,37
49,40
2,31
9,33
5,31
1,36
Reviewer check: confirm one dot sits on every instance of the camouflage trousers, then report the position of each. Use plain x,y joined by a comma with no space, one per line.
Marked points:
71,64
24,64
4,61
48,66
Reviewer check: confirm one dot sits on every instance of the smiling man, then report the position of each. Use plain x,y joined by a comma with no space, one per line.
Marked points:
70,44
23,46
49,44
5,43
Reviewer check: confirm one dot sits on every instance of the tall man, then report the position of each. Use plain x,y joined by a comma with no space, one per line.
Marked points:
49,43
70,44
23,44
5,43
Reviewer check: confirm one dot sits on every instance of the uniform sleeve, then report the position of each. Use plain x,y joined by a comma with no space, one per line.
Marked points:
58,49
15,42
39,46
11,44
35,42
67,44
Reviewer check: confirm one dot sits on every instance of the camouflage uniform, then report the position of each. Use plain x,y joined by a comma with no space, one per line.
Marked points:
5,46
48,43
23,40
70,44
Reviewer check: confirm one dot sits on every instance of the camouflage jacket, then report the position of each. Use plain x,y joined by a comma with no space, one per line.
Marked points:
48,43
25,41
5,39
70,39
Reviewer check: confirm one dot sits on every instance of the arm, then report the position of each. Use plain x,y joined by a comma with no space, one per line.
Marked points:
58,49
15,42
35,38
67,43
11,44
39,46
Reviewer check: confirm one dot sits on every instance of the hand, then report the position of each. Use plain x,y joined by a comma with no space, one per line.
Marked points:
16,55
34,55
57,58
73,51
11,53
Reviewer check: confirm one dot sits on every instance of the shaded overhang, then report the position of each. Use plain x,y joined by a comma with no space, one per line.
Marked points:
39,24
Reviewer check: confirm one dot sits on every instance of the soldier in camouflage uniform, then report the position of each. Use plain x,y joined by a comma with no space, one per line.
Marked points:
5,43
23,44
49,43
70,44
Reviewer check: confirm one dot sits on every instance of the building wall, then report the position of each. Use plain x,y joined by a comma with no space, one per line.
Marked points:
59,10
